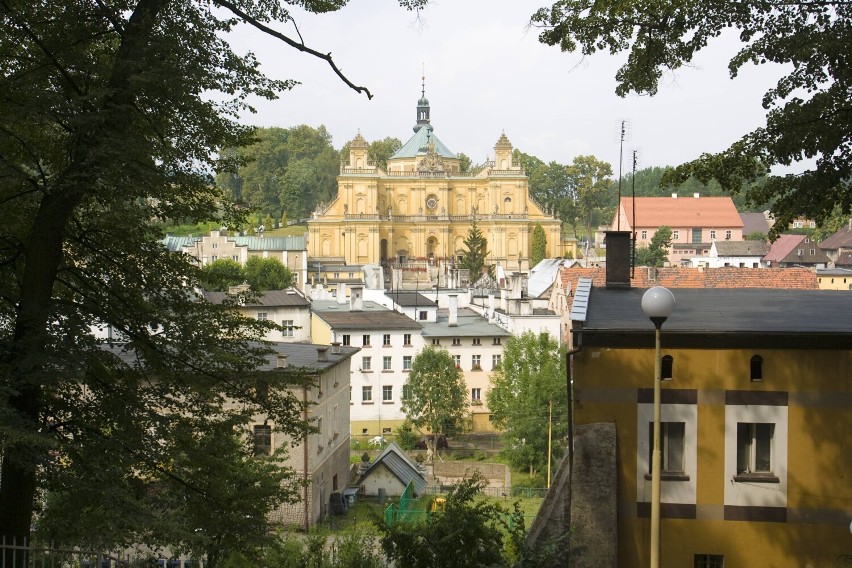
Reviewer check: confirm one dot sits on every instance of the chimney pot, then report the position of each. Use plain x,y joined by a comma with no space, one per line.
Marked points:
335,347
454,310
322,354
674,195
280,361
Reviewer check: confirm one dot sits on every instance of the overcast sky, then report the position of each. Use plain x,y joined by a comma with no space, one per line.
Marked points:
486,73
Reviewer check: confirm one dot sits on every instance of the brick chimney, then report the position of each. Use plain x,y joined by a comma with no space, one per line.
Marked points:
454,310
356,299
617,259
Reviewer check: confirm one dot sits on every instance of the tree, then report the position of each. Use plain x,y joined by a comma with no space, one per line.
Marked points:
475,252
464,162
467,533
380,150
530,377
657,252
757,236
221,274
437,394
267,274
590,179
116,115
539,245
809,116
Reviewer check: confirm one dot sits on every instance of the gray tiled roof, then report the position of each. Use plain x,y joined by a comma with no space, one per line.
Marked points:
372,317
741,248
400,465
269,298
468,326
411,299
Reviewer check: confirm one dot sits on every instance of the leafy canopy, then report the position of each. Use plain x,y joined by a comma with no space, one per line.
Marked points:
530,377
116,115
436,394
657,251
539,244
809,115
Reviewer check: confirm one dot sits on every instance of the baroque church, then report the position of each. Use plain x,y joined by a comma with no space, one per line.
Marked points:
421,207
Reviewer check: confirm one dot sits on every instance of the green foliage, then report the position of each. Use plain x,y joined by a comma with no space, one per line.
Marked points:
531,375
657,252
116,115
437,397
757,236
591,181
808,117
539,245
464,162
221,274
475,252
406,438
264,274
550,186
315,551
380,150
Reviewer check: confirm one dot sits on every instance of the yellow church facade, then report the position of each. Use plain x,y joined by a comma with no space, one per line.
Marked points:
421,206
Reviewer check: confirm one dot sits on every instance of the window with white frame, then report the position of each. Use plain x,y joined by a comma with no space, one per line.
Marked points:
754,448
288,328
457,361
387,393
406,339
347,340
386,340
423,316
365,340
406,362
675,235
436,341
476,394
262,316
406,392
671,447
476,362
496,360
728,235
386,363
712,234
366,363
457,341
366,394
477,341
497,341
644,235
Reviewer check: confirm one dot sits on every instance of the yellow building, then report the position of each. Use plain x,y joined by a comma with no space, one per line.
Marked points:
422,205
755,421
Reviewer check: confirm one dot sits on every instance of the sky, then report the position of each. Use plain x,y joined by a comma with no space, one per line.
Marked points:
486,73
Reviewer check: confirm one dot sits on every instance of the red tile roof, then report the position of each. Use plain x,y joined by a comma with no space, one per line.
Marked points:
782,247
681,277
682,212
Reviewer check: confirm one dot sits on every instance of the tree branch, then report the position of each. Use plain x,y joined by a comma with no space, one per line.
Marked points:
300,46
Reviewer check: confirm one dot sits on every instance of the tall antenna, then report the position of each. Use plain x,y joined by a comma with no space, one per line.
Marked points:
633,202
622,136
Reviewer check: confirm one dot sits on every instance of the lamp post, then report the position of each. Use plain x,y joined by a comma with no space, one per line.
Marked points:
658,304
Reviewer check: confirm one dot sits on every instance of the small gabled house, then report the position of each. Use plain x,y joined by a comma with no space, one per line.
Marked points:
838,247
391,472
743,254
795,250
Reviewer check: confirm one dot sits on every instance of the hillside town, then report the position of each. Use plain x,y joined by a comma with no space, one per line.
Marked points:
227,342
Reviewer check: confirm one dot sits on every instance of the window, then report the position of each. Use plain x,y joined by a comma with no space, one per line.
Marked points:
644,236
457,361
709,561
807,240
496,360
476,341
800,252
351,275
812,224
406,339
386,430
712,234
288,328
215,245
262,440
422,315
798,224
366,364
364,431
261,316
366,394
386,363
756,369
754,448
671,447
475,394
475,362
406,362
406,392
456,341
214,258
386,340
336,275
696,235
436,341
675,235
666,369
365,340
346,340
727,235
387,393
497,341
813,252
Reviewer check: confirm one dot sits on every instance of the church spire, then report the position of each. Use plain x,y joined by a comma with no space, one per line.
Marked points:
422,108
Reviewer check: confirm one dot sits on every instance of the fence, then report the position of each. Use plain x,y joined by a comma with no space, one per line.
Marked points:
35,555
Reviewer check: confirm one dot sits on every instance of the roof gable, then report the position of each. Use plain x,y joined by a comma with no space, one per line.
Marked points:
782,247
400,465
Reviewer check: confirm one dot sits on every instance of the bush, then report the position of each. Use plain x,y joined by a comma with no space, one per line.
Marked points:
479,455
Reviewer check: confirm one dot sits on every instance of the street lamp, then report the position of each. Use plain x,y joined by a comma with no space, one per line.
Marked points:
658,304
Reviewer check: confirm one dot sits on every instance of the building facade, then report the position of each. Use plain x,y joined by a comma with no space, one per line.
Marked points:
421,206
753,399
